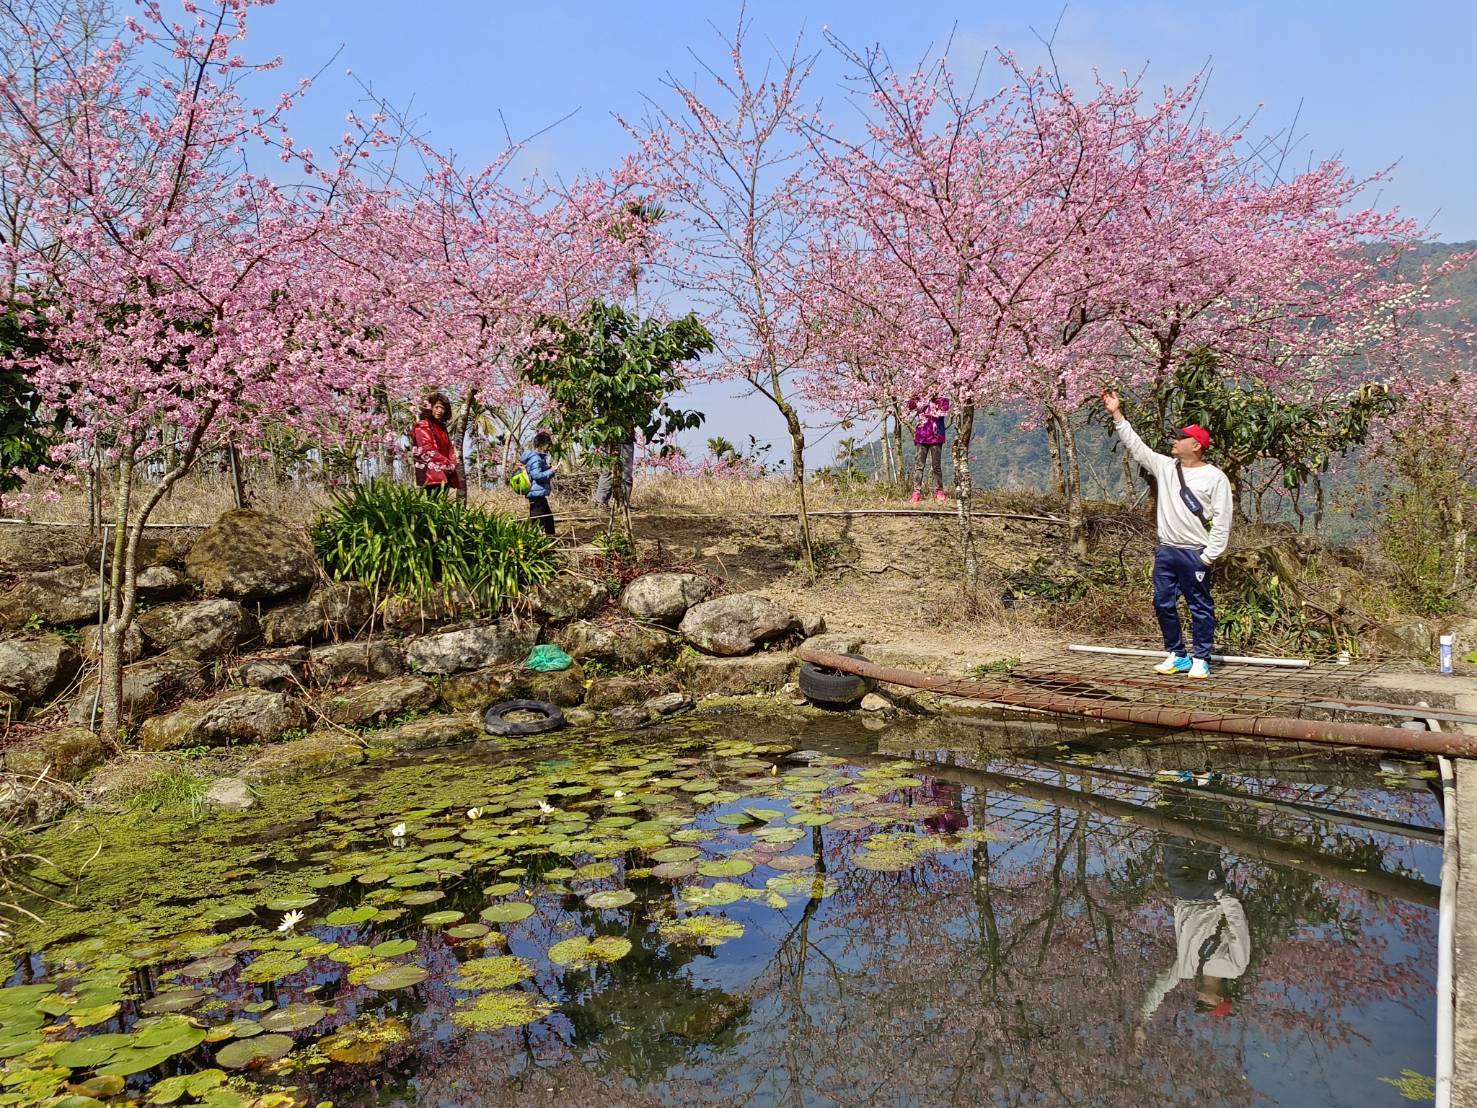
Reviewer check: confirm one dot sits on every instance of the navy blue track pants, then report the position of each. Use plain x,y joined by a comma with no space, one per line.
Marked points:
1178,571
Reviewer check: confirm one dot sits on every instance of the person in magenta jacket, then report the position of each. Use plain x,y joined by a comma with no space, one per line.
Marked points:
928,441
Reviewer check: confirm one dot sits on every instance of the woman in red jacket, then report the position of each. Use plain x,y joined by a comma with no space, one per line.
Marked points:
435,460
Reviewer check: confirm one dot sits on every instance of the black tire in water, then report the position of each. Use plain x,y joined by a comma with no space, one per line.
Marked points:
827,686
495,722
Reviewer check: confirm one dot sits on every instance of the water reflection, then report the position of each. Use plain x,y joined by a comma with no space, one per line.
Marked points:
959,929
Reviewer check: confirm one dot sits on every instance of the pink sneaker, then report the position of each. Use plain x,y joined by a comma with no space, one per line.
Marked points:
916,497
940,496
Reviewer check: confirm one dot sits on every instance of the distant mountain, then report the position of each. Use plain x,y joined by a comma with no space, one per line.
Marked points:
1006,457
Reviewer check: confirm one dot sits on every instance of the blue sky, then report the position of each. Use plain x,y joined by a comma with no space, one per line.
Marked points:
1379,83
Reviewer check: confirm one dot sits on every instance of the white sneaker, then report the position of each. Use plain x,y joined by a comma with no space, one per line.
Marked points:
1200,670
1173,663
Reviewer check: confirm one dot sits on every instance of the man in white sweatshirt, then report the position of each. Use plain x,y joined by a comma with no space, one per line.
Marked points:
1194,520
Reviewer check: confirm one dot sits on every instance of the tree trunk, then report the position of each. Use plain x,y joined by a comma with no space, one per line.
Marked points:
238,481
1458,546
110,666
964,491
459,438
886,475
1072,480
797,468
897,447
1058,480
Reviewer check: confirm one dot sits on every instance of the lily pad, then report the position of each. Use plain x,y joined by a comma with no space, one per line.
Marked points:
725,867
703,930
672,871
393,948
294,1017
580,951
492,1011
440,919
614,898
243,1054
677,854
468,931
348,917
396,977
510,912
496,972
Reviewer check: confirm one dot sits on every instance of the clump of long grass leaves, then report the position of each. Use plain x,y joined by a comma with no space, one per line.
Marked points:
403,543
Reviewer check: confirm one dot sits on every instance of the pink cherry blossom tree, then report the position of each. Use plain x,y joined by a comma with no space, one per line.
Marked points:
178,289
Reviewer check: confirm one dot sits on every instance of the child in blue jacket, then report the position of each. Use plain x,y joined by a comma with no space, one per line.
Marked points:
540,477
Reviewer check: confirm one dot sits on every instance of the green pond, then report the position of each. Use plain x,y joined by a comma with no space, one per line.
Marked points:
740,910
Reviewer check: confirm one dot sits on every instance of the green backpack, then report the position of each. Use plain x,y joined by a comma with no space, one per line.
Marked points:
520,482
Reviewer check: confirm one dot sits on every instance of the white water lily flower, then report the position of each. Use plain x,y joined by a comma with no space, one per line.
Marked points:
289,921
619,794
474,813
398,831
545,807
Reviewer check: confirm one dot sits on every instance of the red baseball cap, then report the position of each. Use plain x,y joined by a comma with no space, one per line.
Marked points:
1198,433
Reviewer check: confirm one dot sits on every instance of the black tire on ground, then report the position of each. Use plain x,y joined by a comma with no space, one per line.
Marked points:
495,722
827,686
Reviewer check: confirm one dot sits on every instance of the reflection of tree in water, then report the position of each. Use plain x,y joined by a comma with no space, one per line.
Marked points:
1015,976
644,1014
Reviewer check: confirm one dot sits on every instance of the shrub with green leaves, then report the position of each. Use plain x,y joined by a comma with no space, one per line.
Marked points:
404,543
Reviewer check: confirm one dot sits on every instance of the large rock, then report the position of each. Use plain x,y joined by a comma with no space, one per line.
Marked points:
380,701
321,752
65,755
156,583
340,610
204,629
836,642
251,556
664,597
29,548
624,645
753,673
432,731
470,648
478,690
1405,638
568,597
29,802
733,625
251,716
35,670
278,670
157,546
145,687
54,597
359,661
613,692
565,687
229,794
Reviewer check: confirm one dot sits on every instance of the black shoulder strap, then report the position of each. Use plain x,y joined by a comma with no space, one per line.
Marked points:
1191,500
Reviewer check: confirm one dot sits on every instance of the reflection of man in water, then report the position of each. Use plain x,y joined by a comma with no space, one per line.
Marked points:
1212,941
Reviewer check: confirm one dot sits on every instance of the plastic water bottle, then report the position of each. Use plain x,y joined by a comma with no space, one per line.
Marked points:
1446,645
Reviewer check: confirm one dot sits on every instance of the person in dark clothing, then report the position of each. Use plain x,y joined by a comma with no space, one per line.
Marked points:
540,472
431,449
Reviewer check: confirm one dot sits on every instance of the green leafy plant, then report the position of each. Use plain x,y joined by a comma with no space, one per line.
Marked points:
608,374
401,542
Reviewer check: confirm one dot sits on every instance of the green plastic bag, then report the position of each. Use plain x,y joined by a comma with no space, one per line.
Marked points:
520,483
548,658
